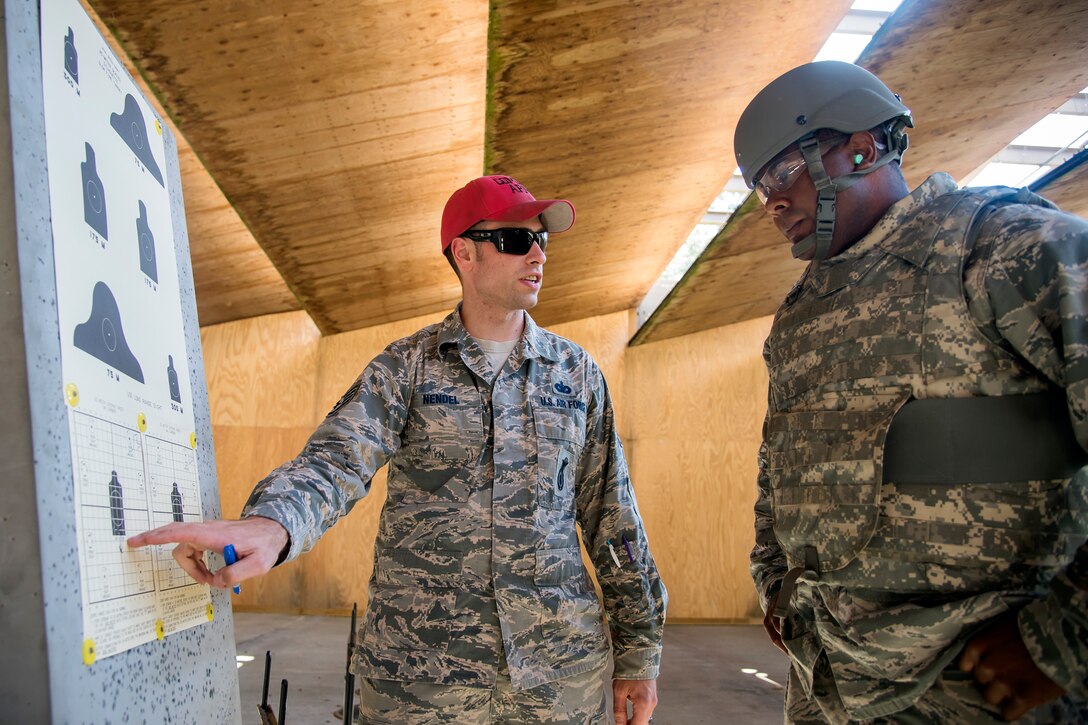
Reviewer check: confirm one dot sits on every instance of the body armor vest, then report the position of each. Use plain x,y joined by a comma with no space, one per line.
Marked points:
857,339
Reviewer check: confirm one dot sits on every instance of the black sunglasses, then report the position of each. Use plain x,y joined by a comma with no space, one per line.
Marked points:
512,240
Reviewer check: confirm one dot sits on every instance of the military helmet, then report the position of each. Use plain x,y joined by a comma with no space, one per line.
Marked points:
824,94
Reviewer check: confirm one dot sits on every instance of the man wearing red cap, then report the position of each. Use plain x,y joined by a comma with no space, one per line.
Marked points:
500,439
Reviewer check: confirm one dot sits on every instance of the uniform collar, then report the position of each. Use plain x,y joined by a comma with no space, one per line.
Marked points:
887,235
534,343
537,343
898,214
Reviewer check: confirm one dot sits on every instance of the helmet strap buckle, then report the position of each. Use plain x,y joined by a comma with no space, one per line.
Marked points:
825,203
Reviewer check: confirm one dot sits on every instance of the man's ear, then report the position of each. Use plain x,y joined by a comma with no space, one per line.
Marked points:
462,250
862,150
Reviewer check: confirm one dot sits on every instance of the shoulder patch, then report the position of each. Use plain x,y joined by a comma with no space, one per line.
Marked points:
345,399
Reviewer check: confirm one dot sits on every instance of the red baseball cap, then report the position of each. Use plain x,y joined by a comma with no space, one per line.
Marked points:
500,198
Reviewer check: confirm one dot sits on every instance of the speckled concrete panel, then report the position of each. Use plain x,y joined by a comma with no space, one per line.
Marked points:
24,687
191,676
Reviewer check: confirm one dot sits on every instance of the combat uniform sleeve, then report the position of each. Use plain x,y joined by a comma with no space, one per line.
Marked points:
767,563
308,494
1035,281
634,595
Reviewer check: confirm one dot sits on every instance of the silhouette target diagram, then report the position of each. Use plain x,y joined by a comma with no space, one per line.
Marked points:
130,126
103,337
94,194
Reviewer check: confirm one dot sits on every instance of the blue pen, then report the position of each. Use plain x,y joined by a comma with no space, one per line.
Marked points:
627,546
231,556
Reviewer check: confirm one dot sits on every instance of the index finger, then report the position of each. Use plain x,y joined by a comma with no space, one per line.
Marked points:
199,535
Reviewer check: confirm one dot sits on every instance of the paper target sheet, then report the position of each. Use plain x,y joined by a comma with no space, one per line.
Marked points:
123,354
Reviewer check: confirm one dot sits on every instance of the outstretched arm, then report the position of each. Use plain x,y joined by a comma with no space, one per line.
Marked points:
258,542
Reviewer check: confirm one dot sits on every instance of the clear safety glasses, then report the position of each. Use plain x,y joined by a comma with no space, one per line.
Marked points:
782,173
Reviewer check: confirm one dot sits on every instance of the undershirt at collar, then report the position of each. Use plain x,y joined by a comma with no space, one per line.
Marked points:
497,352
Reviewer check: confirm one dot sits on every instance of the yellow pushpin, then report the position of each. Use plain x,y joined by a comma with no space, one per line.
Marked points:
88,652
71,394
210,611
192,440
158,127
141,422
160,630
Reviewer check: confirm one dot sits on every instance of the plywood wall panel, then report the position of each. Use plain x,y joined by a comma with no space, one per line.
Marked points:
262,371
245,455
696,405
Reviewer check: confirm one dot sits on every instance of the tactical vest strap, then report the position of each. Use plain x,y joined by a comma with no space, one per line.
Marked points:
982,440
789,582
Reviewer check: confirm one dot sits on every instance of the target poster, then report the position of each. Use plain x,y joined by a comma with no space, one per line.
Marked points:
123,353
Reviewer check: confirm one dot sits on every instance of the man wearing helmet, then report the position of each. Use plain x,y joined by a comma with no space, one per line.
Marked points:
922,516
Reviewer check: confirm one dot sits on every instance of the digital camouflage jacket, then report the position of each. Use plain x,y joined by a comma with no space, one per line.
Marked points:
477,548
898,574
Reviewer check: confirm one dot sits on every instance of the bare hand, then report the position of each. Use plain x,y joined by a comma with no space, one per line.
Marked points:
257,541
1004,670
773,625
643,697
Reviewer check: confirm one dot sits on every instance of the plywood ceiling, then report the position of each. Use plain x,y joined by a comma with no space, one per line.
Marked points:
628,108
326,135
975,75
1070,192
336,130
233,276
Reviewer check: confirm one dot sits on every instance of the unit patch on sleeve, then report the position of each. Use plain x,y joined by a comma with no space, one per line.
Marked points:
345,399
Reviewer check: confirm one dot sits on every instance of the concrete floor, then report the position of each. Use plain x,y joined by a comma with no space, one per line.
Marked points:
702,672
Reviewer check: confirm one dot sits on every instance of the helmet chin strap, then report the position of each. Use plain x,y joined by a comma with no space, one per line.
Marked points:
826,191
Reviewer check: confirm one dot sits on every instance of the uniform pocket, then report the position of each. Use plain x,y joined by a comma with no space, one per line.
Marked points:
407,619
560,438
570,615
560,567
437,446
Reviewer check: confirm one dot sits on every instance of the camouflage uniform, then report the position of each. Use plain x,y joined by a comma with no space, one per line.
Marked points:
477,550
896,576
579,700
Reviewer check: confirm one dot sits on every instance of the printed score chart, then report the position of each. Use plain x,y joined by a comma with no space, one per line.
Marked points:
175,497
113,504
